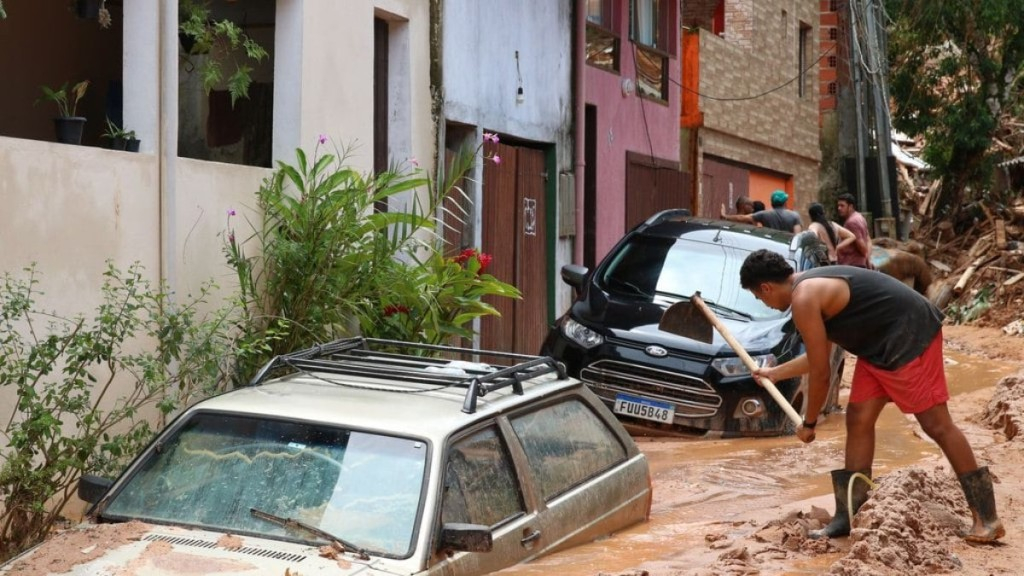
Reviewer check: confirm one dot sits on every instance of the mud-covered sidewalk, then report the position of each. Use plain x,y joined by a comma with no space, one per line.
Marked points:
745,508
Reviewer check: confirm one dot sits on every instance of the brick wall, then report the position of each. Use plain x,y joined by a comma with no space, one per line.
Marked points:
777,130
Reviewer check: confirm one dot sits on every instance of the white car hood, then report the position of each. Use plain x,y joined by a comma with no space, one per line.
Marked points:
139,549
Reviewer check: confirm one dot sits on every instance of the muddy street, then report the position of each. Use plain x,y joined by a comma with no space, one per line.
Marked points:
713,496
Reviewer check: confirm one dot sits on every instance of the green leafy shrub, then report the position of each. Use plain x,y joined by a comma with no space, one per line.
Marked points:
326,264
64,371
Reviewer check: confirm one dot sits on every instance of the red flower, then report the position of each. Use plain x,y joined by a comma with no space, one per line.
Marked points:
464,256
392,309
485,261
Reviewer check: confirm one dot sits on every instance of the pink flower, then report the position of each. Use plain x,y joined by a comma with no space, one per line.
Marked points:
496,159
414,161
231,212
231,236
322,139
490,137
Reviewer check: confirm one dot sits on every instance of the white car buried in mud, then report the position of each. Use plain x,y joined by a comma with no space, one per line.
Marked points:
364,457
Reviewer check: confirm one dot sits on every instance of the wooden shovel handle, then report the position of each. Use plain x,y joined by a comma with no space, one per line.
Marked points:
747,360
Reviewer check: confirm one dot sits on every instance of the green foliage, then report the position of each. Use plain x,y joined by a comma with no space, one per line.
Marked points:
967,312
327,265
219,41
64,370
955,67
66,99
113,132
441,296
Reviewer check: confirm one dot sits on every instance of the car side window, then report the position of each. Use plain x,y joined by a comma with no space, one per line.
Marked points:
480,485
566,444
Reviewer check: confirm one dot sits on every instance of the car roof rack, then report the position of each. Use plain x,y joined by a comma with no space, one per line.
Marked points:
414,362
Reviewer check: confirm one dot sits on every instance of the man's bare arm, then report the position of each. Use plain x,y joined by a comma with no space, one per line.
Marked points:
807,315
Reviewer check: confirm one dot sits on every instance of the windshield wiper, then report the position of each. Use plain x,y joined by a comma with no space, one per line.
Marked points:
293,523
728,310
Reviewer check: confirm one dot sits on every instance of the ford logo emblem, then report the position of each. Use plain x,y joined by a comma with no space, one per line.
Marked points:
656,351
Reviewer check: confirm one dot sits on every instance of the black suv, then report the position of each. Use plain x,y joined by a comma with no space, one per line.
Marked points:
610,339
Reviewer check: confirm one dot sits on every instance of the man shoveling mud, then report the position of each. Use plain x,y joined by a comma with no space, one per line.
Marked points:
896,335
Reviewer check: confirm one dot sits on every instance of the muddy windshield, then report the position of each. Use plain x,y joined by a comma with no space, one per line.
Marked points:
648,267
215,468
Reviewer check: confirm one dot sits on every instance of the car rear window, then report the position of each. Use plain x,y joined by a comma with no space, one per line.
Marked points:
566,444
647,267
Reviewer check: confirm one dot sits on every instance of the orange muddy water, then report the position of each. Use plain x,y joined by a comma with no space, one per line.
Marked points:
721,487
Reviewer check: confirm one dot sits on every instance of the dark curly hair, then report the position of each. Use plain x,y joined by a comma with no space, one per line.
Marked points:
764,266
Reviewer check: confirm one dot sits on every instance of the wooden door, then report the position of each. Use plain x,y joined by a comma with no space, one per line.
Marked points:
514,213
653,185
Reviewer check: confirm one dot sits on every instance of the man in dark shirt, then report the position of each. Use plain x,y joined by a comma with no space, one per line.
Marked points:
779,217
896,335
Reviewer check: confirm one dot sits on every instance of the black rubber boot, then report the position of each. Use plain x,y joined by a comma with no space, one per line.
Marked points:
977,487
840,524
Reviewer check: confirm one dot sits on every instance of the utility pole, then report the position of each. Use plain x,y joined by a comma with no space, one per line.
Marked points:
858,97
883,140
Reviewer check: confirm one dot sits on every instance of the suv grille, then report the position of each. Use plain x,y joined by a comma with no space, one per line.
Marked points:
693,397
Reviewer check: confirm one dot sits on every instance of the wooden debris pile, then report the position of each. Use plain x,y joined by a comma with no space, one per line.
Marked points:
978,272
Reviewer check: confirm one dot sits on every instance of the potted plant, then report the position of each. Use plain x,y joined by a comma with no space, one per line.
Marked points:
69,126
131,143
118,137
121,139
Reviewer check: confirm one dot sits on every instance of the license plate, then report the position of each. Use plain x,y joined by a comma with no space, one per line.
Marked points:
644,408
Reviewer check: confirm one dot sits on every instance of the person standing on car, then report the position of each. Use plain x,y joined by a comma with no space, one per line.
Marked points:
779,217
859,253
896,335
832,235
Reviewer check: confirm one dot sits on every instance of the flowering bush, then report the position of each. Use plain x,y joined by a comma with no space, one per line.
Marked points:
445,296
325,264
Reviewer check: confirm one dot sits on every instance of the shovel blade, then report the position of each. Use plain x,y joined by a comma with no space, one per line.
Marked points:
685,319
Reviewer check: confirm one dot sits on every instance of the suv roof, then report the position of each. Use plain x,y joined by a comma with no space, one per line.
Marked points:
372,381
671,224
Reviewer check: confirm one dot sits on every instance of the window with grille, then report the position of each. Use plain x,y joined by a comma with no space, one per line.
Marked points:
833,33
832,61
831,88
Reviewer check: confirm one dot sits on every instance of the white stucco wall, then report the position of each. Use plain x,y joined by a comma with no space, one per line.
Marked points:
481,80
72,208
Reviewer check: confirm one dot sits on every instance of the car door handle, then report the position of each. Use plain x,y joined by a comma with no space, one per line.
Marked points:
530,537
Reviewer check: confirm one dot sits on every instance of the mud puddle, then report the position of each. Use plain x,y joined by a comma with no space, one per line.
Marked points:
711,493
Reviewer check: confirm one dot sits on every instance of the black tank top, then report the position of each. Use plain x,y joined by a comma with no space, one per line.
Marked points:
886,322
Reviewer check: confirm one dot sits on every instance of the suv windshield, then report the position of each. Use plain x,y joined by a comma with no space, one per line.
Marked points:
647,266
213,470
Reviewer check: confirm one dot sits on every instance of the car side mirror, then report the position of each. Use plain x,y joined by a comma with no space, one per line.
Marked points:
573,275
92,488
466,537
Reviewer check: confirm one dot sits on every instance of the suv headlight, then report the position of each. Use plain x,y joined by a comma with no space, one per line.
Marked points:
736,367
580,334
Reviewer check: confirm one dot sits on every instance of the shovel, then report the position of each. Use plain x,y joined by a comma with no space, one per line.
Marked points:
693,319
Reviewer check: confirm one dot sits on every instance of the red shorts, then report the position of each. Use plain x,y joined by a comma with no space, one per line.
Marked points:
914,387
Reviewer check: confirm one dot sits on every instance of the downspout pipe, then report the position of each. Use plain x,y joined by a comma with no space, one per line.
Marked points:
168,138
579,152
